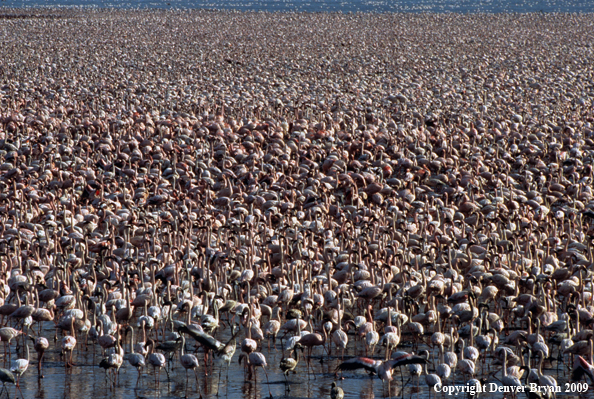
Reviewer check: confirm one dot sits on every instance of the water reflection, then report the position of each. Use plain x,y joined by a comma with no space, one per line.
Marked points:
367,391
87,380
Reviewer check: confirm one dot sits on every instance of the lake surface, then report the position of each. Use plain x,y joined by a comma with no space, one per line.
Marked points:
440,6
87,380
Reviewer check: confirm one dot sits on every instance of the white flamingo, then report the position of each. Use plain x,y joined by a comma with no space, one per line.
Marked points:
157,360
19,366
136,360
253,360
507,380
189,361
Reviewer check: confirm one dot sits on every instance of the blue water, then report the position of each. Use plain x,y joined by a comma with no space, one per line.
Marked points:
440,6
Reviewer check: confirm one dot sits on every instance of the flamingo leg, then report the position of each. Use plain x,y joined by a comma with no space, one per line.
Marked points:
218,384
138,379
19,388
198,386
310,353
227,379
167,372
205,363
108,377
40,365
267,382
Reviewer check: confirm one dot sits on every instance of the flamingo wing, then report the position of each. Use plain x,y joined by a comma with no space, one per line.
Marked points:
581,367
358,363
407,359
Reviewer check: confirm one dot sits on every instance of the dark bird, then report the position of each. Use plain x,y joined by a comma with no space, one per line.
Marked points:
288,364
208,342
336,392
170,347
382,369
580,368
402,359
6,376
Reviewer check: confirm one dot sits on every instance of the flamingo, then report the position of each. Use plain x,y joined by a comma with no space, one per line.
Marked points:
311,340
157,360
432,380
136,360
470,352
208,342
443,370
40,344
582,368
402,358
450,358
248,345
189,361
509,380
466,366
210,323
109,363
6,335
438,338
293,325
390,340
105,340
114,360
417,330
19,366
228,351
253,360
139,346
383,369
415,370
483,342
339,337
545,380
272,327
68,344
292,341
23,312
371,339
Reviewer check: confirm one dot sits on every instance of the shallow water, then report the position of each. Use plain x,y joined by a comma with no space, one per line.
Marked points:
458,6
87,380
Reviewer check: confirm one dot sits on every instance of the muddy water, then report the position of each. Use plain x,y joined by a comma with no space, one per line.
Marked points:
87,380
